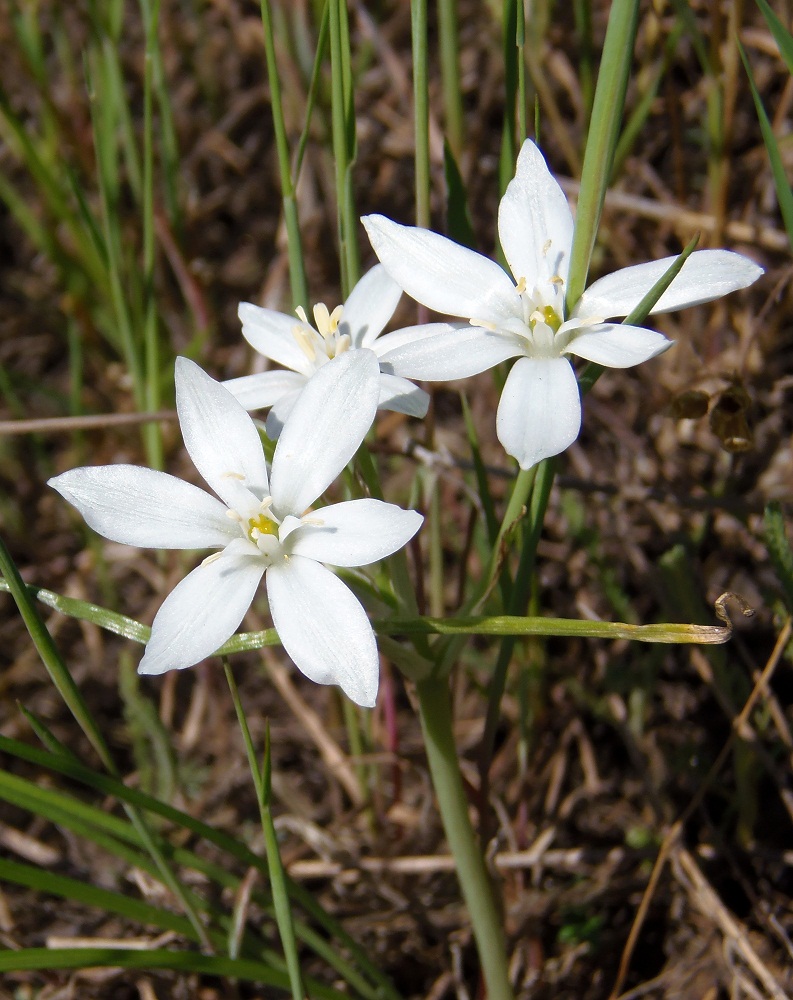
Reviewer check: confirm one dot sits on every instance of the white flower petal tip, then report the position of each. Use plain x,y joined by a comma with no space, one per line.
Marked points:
535,223
324,628
203,611
619,346
539,414
441,274
219,435
705,276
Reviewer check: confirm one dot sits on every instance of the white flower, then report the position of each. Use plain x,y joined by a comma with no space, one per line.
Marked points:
303,349
540,410
260,525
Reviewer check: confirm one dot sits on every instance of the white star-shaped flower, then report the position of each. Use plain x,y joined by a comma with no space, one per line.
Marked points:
302,349
261,524
539,414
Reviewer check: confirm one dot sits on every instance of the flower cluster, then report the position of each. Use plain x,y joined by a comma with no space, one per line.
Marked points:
333,378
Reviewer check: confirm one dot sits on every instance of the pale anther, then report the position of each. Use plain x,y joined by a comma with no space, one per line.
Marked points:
484,323
234,475
303,339
301,314
520,288
211,558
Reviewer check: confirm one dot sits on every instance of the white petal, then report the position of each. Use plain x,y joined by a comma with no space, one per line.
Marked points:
263,389
272,334
618,346
452,354
220,437
443,275
324,628
539,414
370,306
535,223
355,533
137,506
409,334
281,409
401,396
324,430
204,610
706,275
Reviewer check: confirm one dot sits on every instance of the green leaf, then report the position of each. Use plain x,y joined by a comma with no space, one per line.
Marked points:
783,191
782,36
157,958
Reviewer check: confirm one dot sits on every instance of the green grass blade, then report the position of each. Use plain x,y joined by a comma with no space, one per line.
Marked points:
43,880
782,36
604,128
421,114
261,781
784,193
148,960
297,270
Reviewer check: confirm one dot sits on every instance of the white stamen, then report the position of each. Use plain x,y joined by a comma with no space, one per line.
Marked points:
301,314
484,323
303,338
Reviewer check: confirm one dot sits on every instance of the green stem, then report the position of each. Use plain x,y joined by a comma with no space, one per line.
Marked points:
418,13
297,270
450,75
278,883
602,139
343,128
517,604
68,690
436,720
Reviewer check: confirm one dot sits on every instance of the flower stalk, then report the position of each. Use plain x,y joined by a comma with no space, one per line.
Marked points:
436,722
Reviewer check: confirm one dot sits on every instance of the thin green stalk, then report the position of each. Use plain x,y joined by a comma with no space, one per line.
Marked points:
519,599
520,43
343,130
151,347
602,138
450,75
278,885
297,270
104,117
436,721
421,114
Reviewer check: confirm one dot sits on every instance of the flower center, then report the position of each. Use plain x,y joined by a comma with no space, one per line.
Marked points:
543,311
328,343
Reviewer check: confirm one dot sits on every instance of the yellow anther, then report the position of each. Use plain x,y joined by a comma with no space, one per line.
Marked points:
520,288
322,319
556,280
301,314
211,558
234,475
546,247
335,318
